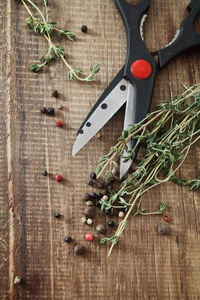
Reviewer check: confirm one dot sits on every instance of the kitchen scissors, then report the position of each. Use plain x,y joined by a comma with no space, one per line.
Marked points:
134,83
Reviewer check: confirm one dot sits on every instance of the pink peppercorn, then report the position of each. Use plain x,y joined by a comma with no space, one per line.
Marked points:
58,178
89,237
59,123
167,219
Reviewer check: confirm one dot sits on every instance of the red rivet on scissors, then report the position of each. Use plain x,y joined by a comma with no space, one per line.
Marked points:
141,69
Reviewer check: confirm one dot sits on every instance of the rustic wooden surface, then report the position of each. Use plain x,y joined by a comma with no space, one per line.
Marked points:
143,265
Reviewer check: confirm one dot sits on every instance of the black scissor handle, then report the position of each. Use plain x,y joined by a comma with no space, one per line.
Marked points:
186,39
136,49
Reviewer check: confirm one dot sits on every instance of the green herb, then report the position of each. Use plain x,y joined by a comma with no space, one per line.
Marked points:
39,23
167,135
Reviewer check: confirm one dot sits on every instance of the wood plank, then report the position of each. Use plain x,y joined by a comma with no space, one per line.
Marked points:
143,265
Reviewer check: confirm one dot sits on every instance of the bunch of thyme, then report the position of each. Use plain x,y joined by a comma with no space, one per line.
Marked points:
167,135
40,24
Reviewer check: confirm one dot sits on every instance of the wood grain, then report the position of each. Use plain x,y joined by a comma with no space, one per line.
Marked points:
143,265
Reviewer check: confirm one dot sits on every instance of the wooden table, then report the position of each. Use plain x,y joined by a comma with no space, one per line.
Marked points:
143,265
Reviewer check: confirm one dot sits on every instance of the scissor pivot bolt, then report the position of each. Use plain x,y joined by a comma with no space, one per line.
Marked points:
141,69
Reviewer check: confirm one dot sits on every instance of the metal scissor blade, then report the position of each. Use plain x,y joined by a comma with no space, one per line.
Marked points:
128,120
107,105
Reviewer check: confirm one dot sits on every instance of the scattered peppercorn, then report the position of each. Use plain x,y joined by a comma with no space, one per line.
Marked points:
68,239
89,221
44,173
97,204
50,111
86,197
111,223
58,178
101,229
163,229
93,195
57,215
100,195
90,182
100,185
105,198
84,28
55,94
108,213
43,110
89,212
93,176
109,187
89,203
89,237
167,219
98,135
17,280
59,123
79,249
121,214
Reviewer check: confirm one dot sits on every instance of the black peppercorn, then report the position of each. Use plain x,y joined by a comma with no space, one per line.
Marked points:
100,195
108,213
84,28
111,223
68,239
90,182
86,197
93,176
97,204
101,229
100,185
93,195
43,110
44,173
55,94
89,212
109,187
56,215
79,249
50,111
163,229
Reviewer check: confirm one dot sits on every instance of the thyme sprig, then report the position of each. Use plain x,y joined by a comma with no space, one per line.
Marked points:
167,135
39,23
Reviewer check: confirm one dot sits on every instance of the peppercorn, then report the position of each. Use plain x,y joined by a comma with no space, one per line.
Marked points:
55,94
44,173
100,185
111,223
167,219
85,197
163,229
58,178
50,111
109,187
93,195
105,198
89,221
101,229
79,249
93,176
89,237
100,195
57,215
89,212
68,239
84,28
59,123
43,110
121,214
97,204
90,182
108,213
